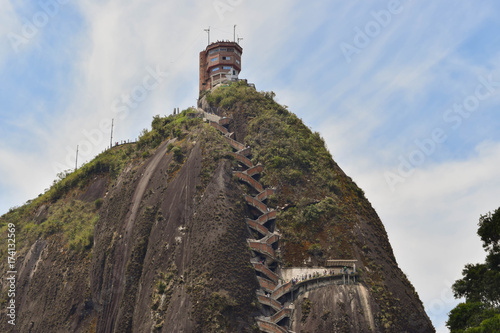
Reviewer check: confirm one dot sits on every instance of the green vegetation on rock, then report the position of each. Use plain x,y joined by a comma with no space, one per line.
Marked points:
314,194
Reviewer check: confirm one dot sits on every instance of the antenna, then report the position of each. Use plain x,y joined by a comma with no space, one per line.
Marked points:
239,38
208,31
76,162
234,34
111,140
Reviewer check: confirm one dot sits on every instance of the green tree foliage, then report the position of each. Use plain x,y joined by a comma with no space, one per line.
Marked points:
468,315
489,325
489,231
177,154
168,127
480,285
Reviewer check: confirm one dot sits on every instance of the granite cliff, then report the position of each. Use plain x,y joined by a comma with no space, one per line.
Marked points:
228,217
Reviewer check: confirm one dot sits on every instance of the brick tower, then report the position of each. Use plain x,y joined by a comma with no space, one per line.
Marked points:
219,62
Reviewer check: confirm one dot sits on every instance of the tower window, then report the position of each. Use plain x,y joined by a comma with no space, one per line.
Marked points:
214,59
226,58
227,67
215,69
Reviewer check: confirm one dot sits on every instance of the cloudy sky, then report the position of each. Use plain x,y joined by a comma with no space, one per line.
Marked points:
404,93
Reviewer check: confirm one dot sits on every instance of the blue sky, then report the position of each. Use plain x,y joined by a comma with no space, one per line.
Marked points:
409,111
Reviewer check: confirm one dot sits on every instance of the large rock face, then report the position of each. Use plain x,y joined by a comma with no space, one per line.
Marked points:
336,308
159,233
158,236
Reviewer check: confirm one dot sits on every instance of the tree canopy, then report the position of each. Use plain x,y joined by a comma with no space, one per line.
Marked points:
480,285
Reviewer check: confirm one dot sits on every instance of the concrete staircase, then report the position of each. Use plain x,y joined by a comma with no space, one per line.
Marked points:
265,243
269,281
209,116
269,327
260,267
248,179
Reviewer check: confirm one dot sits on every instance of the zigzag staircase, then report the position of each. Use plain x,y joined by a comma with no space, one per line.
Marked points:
266,243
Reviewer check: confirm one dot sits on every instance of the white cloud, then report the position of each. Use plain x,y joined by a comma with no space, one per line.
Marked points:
9,25
20,180
432,218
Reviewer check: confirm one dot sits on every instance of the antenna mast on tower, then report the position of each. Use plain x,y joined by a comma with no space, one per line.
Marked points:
208,31
76,161
234,34
111,140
